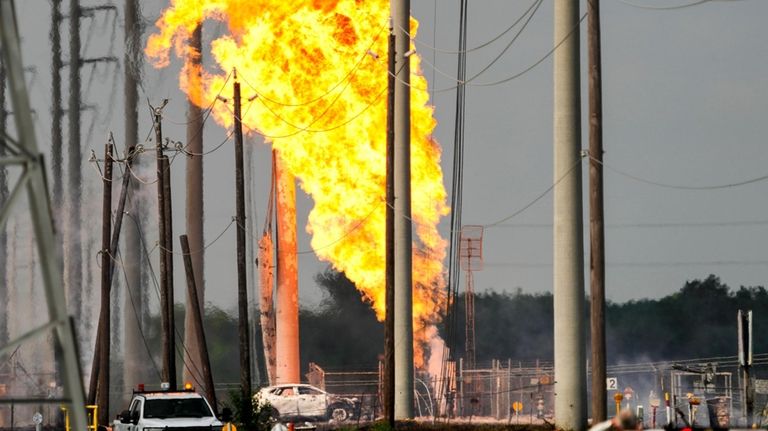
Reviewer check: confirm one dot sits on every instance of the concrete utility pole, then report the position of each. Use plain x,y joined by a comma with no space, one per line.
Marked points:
401,14
596,225
73,250
242,289
134,353
103,349
166,288
197,314
287,319
195,209
570,351
389,283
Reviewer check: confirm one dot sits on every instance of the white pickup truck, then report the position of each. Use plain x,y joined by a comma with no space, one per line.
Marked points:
168,411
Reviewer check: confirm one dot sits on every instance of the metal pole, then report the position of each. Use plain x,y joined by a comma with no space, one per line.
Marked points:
570,352
402,229
242,292
56,110
389,324
596,224
103,349
195,208
197,318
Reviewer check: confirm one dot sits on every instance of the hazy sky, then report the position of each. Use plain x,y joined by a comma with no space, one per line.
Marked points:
685,102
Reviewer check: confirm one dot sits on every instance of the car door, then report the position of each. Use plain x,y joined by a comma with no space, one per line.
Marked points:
284,399
311,401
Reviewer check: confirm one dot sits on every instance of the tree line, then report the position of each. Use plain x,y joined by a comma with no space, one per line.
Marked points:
699,320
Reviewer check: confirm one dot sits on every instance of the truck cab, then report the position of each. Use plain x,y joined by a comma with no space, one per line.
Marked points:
167,410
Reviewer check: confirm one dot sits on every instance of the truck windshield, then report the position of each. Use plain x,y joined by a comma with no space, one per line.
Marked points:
176,408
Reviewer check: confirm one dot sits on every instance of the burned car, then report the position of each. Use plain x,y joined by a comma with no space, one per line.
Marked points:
305,401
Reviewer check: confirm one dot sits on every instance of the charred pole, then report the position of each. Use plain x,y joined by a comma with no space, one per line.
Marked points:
169,268
106,264
403,324
568,270
197,326
194,206
389,284
166,294
596,222
287,316
57,113
242,292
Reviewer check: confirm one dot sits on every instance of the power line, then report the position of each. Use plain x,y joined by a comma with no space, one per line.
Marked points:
678,186
635,264
652,225
478,47
680,6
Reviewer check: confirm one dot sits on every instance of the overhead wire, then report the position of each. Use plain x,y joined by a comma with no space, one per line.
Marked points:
673,7
475,48
679,186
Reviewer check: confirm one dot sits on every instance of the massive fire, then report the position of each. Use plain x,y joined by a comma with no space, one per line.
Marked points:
318,71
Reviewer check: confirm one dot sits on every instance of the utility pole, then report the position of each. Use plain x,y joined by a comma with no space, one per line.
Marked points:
570,352
166,289
242,292
73,250
196,310
401,14
287,321
103,349
3,199
744,324
56,110
195,208
134,353
596,224
389,283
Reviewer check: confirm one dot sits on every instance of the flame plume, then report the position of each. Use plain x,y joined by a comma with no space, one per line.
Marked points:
319,73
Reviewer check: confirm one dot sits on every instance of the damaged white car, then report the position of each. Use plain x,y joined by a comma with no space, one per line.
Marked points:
305,401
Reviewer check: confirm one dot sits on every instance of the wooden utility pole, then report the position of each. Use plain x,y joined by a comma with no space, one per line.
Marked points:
242,292
194,207
166,289
106,264
73,250
195,310
596,225
389,284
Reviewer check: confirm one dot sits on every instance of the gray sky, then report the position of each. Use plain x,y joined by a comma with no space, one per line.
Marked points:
685,101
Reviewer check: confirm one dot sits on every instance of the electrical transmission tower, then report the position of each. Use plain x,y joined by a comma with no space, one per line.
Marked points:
24,154
471,260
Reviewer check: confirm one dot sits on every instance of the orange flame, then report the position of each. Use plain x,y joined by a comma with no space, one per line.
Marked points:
318,70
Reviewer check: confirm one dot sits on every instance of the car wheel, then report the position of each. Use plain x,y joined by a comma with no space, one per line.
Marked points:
274,413
338,413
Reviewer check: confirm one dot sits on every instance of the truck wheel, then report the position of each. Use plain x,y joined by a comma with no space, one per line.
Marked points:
338,413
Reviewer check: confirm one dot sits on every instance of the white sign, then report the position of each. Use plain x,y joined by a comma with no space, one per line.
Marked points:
761,386
612,384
